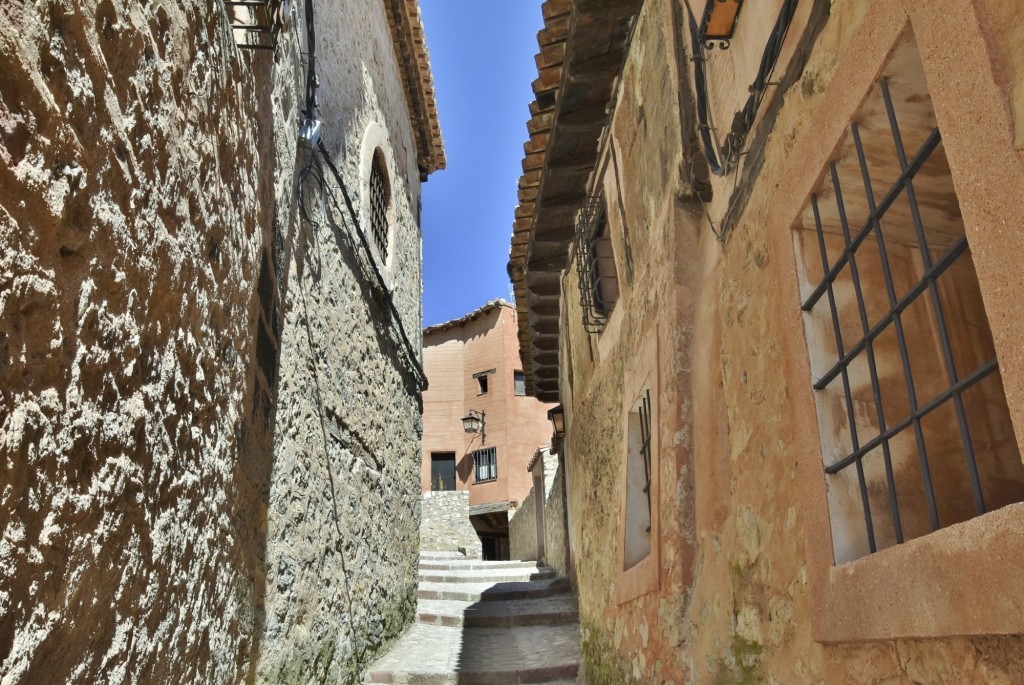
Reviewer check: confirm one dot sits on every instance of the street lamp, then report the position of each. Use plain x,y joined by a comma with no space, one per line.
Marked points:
475,421
556,416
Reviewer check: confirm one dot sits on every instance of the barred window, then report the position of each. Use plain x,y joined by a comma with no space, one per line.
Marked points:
485,464
638,481
380,198
595,264
915,430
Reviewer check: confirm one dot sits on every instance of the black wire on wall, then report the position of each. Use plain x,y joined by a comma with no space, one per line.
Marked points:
723,157
313,170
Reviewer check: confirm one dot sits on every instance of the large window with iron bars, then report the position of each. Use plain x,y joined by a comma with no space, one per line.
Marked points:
595,264
485,464
380,195
915,431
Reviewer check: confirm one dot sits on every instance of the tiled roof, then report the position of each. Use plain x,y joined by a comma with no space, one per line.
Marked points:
463,320
417,80
582,48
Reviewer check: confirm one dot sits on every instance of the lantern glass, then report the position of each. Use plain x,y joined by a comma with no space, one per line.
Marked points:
470,423
557,418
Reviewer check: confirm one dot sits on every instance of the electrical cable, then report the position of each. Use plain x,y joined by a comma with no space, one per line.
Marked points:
723,158
313,170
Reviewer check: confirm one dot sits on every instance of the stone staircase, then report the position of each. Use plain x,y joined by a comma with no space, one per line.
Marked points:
486,623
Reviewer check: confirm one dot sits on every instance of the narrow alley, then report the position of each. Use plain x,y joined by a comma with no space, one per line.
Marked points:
689,354
486,623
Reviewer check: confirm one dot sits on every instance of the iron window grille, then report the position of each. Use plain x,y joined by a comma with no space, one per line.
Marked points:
936,261
644,410
485,464
262,24
595,264
379,205
637,486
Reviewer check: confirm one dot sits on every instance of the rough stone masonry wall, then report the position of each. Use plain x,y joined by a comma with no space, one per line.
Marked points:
159,302
556,544
750,615
522,529
344,501
129,222
741,611
445,525
649,216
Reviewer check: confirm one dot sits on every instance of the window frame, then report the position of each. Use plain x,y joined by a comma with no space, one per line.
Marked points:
953,582
595,256
519,383
483,383
644,576
380,194
491,456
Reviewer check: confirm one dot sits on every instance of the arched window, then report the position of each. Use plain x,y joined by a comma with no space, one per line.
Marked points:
380,198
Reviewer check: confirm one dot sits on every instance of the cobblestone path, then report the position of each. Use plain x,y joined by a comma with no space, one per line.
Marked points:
486,623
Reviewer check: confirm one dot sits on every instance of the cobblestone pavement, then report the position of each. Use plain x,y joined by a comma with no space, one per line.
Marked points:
486,623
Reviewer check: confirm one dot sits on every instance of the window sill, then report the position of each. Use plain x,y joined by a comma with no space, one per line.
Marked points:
484,482
639,580
957,581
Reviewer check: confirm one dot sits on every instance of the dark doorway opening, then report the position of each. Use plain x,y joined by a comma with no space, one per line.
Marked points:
442,471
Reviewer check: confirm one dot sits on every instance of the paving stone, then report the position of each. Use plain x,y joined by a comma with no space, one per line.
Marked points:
476,627
429,655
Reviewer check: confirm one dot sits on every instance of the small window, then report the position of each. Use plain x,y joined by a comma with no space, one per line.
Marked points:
442,471
595,265
481,380
638,482
485,464
380,199
520,383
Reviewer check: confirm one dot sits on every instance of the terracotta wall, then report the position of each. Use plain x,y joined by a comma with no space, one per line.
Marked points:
515,425
746,589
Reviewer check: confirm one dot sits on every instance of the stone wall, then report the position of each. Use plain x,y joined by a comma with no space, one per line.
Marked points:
187,494
522,529
556,543
445,526
734,599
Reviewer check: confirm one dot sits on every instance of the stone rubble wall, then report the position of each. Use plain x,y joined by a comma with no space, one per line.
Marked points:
556,542
522,526
208,439
522,529
734,603
445,525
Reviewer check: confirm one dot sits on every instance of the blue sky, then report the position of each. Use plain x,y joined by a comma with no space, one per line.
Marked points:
481,52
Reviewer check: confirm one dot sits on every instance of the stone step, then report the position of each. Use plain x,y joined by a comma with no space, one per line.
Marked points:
470,563
443,555
434,655
498,575
548,611
493,592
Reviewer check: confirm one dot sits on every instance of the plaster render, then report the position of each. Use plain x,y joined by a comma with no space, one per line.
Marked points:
750,591
189,447
515,425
